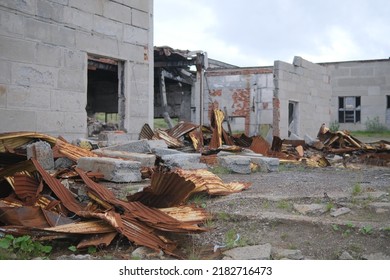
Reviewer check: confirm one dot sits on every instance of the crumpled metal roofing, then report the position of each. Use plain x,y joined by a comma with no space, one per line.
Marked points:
12,140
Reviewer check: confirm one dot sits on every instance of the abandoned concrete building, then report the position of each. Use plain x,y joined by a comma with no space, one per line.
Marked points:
63,64
284,99
64,61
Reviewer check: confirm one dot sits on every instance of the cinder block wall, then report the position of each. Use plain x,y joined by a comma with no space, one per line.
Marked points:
368,79
247,95
308,85
44,46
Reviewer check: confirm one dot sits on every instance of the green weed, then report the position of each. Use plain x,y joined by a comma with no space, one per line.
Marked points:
23,246
357,189
366,230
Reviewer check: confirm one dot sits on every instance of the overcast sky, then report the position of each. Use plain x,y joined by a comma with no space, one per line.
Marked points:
258,32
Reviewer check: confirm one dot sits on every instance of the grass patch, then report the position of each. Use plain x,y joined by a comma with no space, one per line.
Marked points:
199,200
365,133
161,123
232,239
219,170
283,204
22,247
357,189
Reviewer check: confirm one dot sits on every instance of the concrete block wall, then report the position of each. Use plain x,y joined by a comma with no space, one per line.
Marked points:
368,79
308,85
44,45
246,94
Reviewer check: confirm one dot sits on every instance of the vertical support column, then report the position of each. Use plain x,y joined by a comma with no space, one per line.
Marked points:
121,96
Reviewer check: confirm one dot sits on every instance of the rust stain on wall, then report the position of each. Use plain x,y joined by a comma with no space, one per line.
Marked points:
216,92
241,105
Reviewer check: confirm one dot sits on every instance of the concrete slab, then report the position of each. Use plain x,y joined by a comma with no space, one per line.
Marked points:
311,209
237,164
134,146
147,160
257,252
42,152
184,161
115,170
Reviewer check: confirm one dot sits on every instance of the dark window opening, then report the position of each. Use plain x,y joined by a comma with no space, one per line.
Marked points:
349,109
388,102
103,95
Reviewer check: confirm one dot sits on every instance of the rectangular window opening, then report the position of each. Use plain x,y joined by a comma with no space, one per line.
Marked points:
349,109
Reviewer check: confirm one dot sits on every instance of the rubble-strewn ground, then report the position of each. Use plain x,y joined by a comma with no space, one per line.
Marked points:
265,213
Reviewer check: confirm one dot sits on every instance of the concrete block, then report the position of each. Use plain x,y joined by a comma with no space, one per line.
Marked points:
165,151
117,12
146,160
237,164
134,146
256,252
34,75
42,152
362,71
157,144
48,55
11,24
74,59
5,77
115,170
50,10
72,79
90,6
140,19
107,27
63,163
267,164
184,161
18,120
17,50
82,19
62,2
143,5
135,35
131,52
49,121
27,6
112,138
76,122
26,97
67,101
95,43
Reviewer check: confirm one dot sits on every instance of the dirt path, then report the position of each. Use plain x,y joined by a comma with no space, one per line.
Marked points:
267,212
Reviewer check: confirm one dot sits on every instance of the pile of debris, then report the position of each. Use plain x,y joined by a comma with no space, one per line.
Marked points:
35,197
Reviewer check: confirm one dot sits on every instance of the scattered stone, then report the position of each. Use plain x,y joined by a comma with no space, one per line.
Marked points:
278,253
339,211
146,253
311,209
147,160
257,252
237,164
43,153
345,256
376,256
157,144
63,163
380,207
372,195
184,161
75,257
115,170
135,146
112,138
165,151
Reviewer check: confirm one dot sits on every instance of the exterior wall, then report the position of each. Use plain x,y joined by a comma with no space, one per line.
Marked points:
307,85
247,95
43,61
368,79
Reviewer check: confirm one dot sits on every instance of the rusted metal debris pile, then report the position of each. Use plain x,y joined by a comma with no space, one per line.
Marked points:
209,140
36,202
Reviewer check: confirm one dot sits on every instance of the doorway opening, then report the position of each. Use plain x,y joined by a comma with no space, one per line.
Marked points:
293,118
105,95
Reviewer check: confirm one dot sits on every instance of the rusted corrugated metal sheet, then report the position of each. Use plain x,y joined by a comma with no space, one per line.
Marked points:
146,132
72,152
97,240
181,128
64,195
216,124
260,145
12,140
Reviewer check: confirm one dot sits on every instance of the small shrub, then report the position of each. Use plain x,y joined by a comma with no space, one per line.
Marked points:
357,188
366,229
334,126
